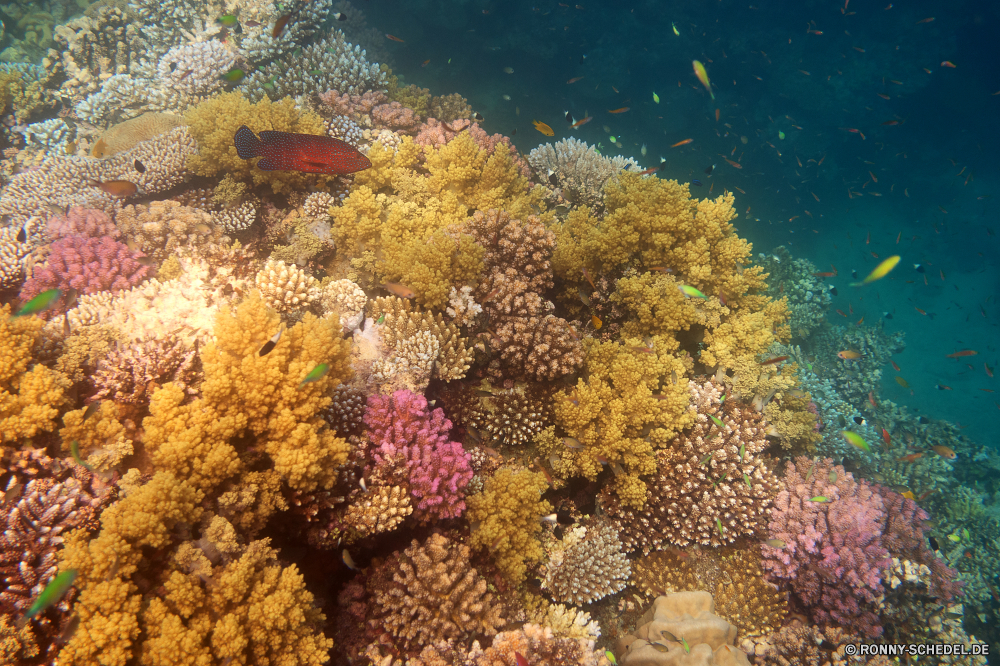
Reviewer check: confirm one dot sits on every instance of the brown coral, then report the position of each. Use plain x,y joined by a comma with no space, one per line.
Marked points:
163,227
711,487
429,592
129,375
664,572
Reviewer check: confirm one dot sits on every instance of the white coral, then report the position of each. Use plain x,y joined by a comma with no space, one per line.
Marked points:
462,306
286,288
347,299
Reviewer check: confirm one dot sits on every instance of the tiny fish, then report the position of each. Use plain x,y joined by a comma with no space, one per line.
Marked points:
399,290
621,110
746,480
552,518
656,98
572,443
91,410
964,352
832,476
660,647
340,16
596,321
348,560
717,421
819,498
228,20
954,537
280,25
316,374
574,79
74,449
775,543
519,658
543,128
909,495
849,355
580,123
743,449
684,643
508,70
682,143
902,382
690,291
270,344
696,182
39,303
776,359
702,74
718,524
394,38
52,593
116,188
885,437
234,75
855,440
944,452
705,459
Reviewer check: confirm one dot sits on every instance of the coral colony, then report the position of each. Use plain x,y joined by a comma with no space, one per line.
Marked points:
432,402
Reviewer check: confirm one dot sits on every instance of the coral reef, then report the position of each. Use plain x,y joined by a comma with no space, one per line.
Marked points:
578,170
586,564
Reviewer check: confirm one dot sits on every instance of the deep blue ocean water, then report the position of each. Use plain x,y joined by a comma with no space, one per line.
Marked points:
772,72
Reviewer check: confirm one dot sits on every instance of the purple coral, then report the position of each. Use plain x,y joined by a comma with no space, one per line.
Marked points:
405,432
88,265
833,554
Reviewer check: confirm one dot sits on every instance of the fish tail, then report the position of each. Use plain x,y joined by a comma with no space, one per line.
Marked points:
247,143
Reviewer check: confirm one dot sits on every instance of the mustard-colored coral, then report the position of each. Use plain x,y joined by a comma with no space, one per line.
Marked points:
102,440
392,225
254,399
505,516
634,399
214,123
29,398
109,602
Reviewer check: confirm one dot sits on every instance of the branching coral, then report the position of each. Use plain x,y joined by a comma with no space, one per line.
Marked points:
102,440
712,486
587,564
505,518
161,228
430,592
29,399
260,397
131,374
578,169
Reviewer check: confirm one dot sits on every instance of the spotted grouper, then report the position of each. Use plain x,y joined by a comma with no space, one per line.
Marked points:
286,151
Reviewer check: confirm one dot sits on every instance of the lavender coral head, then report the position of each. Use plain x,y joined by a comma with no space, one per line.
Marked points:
87,266
408,435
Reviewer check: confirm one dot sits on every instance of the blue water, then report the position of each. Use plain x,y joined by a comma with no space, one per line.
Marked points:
936,169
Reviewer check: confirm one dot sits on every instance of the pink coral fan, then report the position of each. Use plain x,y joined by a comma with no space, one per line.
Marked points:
830,528
395,116
433,132
80,221
406,433
87,265
352,105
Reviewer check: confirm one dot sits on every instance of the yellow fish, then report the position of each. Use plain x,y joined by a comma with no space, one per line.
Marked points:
699,70
880,271
909,495
676,31
543,128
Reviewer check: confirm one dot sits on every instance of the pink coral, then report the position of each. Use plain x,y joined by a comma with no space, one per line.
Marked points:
352,105
395,116
87,265
832,553
489,143
433,132
80,221
406,433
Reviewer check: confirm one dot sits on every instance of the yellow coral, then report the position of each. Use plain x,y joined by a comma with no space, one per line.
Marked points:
29,399
214,123
247,394
795,424
631,402
505,516
101,438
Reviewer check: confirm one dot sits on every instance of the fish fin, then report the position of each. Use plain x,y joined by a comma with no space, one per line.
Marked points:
267,165
246,142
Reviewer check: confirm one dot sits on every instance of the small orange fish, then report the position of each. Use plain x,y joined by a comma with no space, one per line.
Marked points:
394,38
682,143
425,62
924,496
871,399
948,63
911,457
280,25
964,352
849,355
883,95
841,313
735,165
581,122
716,115
885,437
399,290
919,310
891,122
824,275
776,359
586,274
944,452
543,128
646,172
894,366
116,188
942,387
596,321
574,79
621,110
926,20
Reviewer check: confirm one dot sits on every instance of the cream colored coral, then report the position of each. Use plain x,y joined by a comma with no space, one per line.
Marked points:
587,564
462,307
402,321
380,510
410,366
347,299
287,288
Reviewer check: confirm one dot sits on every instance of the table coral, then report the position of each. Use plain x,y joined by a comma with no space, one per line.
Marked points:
407,434
430,592
505,516
712,486
245,394
29,399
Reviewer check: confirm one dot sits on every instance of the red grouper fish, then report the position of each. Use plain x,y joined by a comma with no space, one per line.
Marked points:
285,151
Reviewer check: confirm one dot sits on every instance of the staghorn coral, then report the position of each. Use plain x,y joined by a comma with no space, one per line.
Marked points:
403,321
430,592
29,399
795,280
799,645
462,307
586,564
505,519
631,403
248,398
712,486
